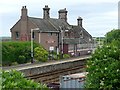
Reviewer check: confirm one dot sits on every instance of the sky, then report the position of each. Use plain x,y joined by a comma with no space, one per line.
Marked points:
99,16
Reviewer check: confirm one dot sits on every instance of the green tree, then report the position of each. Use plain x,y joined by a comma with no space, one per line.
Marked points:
15,80
112,35
104,66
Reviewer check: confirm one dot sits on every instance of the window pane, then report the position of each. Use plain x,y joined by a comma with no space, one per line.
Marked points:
33,35
51,34
17,34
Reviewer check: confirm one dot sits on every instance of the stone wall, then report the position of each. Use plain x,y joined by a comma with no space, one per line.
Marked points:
53,67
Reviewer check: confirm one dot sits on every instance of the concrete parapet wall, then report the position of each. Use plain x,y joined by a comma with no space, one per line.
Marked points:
51,67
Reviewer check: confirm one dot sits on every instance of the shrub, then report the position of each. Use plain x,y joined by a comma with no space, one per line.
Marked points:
15,80
53,55
66,56
112,35
8,53
19,52
104,67
21,59
40,54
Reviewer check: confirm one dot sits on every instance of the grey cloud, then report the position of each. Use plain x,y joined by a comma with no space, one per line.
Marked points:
94,19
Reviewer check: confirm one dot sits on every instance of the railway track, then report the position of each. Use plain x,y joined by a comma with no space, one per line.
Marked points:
51,72
54,75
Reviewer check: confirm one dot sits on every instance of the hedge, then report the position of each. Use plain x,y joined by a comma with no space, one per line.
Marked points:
16,52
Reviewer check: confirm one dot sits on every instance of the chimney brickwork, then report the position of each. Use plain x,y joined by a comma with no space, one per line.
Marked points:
24,13
46,12
63,14
79,21
24,24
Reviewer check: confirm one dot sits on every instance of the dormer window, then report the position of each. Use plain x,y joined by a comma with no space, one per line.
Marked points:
17,35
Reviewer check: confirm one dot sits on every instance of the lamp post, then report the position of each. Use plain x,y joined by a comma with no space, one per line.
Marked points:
61,32
32,56
62,38
90,43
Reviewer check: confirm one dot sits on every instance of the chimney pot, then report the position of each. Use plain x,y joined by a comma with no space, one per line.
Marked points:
63,14
46,12
79,21
24,13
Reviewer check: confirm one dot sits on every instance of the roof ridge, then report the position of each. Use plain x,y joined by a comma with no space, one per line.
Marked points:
35,17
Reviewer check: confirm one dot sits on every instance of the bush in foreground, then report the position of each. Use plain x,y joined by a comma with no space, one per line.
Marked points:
104,67
15,80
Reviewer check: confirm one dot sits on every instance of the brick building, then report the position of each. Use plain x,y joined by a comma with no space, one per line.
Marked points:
55,33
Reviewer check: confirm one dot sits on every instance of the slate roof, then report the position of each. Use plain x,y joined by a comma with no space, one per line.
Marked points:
53,25
74,41
80,31
49,25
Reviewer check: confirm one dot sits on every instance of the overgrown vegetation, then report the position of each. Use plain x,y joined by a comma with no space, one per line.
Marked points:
66,56
40,54
14,53
54,56
15,80
104,66
112,35
17,52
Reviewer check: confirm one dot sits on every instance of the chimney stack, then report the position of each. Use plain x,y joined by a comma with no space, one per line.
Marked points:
79,21
63,14
46,12
24,13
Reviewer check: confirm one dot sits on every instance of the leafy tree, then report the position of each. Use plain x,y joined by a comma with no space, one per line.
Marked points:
104,66
15,80
112,35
